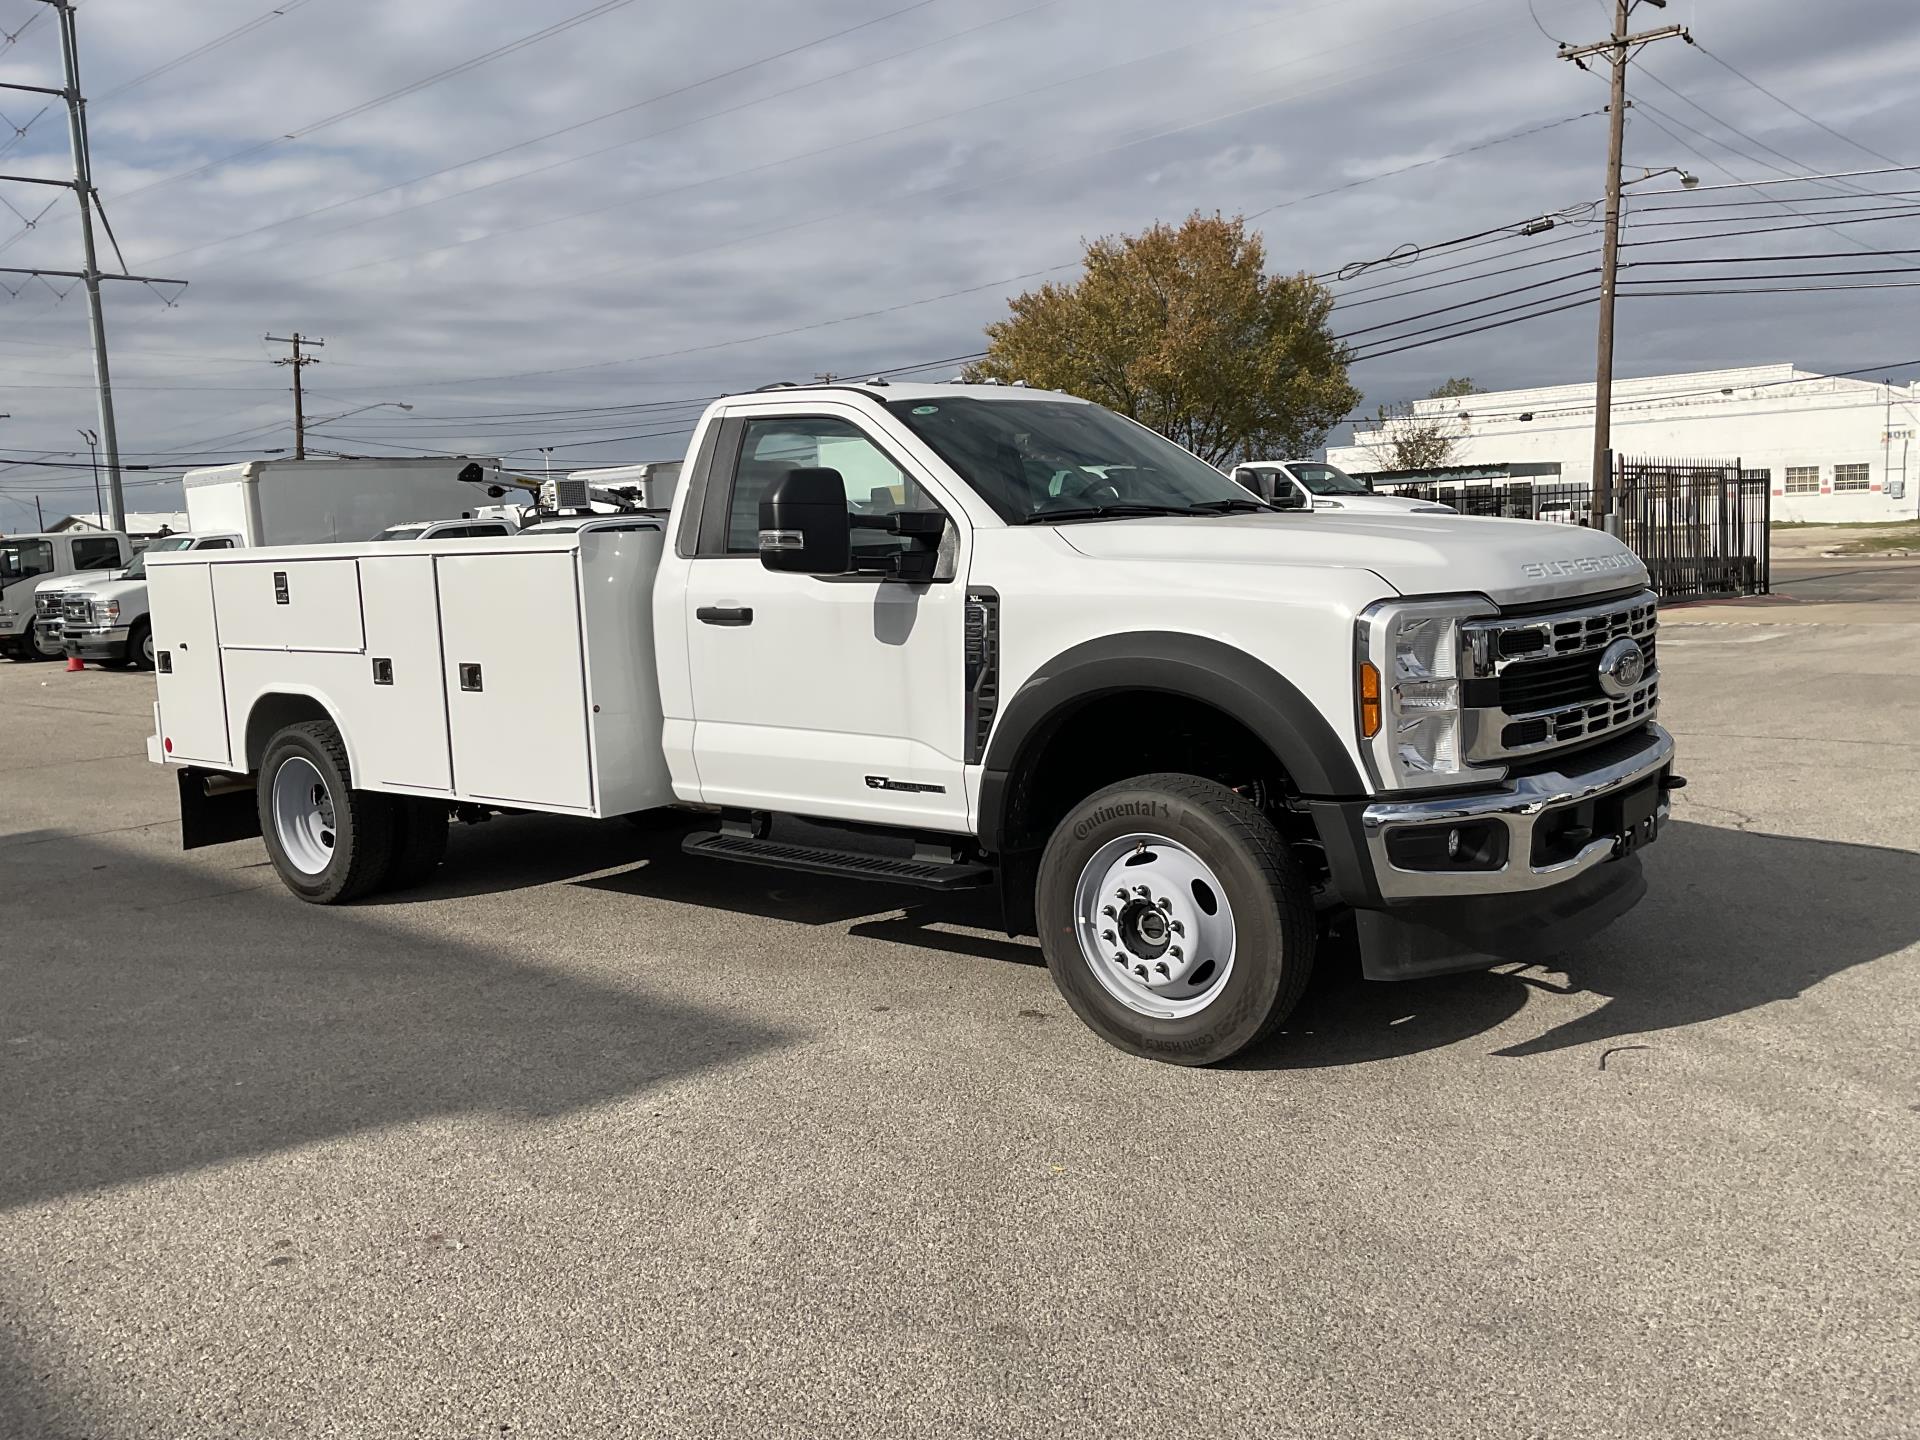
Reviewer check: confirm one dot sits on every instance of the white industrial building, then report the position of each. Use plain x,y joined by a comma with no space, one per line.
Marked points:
1831,448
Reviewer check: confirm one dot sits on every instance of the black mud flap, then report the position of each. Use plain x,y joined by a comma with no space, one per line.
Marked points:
1439,937
215,808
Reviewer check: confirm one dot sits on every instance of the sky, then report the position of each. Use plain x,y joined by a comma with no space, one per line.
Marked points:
566,224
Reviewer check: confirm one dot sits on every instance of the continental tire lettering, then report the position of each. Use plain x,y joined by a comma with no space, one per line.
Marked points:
1124,810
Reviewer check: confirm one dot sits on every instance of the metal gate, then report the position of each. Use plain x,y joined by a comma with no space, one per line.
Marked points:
1698,525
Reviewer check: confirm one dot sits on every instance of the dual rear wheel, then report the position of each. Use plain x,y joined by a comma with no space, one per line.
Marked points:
332,843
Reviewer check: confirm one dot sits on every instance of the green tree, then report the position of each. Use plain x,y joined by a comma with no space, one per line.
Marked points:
1182,329
1406,437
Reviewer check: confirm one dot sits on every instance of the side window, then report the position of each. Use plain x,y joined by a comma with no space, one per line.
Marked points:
222,544
97,554
875,486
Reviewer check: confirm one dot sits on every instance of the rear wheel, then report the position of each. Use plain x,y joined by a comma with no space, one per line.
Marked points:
329,842
1174,920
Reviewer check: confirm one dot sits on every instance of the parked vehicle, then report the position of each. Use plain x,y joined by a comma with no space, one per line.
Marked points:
107,619
1315,485
444,530
307,502
1004,638
54,558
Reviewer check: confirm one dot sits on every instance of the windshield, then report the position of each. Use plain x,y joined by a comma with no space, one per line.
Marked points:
138,569
399,532
1047,460
21,558
1328,480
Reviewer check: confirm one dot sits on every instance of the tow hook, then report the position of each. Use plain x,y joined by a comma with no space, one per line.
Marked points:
1673,782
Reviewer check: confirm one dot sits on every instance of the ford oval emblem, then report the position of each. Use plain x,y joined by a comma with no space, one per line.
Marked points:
1622,667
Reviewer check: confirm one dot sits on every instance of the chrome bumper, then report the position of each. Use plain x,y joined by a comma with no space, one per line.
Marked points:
1519,805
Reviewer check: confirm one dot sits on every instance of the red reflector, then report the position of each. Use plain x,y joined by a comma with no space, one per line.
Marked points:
168,742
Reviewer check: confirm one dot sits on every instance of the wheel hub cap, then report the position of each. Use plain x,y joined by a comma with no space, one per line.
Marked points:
303,815
1154,926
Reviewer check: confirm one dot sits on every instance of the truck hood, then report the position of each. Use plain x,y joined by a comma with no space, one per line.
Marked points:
113,589
77,579
1511,562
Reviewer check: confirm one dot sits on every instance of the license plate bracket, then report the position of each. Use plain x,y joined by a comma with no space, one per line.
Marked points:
1632,817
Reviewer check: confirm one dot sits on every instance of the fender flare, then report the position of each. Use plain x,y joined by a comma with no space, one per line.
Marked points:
1173,662
288,690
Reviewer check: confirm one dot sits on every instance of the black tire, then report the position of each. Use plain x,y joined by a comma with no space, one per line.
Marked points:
363,827
29,644
1271,909
139,643
419,841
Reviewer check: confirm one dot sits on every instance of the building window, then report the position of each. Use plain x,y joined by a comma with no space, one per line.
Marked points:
1849,477
1803,479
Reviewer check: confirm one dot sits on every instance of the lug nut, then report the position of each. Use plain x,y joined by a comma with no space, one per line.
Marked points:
1119,959
1176,952
1143,892
1163,972
1109,937
1176,927
1121,895
1165,904
1141,971
1110,912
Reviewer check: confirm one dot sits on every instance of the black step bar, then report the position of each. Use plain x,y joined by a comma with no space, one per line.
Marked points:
849,864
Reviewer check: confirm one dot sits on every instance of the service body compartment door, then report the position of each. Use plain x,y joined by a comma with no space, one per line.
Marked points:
186,644
515,678
289,604
402,716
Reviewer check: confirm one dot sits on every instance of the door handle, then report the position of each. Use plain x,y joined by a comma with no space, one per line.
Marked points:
725,614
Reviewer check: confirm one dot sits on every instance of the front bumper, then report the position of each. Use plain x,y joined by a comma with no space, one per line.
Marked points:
1549,857
92,642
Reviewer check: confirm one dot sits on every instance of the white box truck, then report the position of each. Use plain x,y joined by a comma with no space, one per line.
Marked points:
310,502
988,637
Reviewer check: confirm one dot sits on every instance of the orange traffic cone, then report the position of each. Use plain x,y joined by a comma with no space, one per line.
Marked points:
74,662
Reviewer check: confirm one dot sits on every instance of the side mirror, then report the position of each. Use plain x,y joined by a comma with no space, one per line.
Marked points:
1287,496
804,526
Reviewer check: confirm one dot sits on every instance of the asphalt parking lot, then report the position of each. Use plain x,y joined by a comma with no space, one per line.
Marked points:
593,1139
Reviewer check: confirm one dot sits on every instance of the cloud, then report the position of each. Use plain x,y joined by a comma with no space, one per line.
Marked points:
940,150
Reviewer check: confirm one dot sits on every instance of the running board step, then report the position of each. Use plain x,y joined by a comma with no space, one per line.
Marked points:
781,855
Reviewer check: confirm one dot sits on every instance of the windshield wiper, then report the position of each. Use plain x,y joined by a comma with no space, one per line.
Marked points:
1119,510
1223,507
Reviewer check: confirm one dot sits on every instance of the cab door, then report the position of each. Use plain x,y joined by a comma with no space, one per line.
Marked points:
836,697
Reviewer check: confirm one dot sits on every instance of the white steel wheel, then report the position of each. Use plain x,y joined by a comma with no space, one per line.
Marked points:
44,646
1155,926
143,648
303,819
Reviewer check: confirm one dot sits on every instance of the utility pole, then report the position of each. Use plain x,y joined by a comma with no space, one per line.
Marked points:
298,362
1617,48
88,199
39,515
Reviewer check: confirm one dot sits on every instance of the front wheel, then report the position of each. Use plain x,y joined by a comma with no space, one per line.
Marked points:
140,646
329,842
1174,920
34,644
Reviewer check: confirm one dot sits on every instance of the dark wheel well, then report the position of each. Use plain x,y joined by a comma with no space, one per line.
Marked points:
1118,734
273,713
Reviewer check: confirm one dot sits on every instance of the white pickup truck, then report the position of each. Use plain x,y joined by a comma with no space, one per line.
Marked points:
990,637
1315,485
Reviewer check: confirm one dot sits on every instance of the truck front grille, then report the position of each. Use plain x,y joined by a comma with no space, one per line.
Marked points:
76,610
1532,683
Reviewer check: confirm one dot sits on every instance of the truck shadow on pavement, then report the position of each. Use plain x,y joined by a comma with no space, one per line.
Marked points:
143,1034
1732,921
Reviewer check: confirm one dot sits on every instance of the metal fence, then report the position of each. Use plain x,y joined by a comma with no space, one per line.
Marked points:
1699,525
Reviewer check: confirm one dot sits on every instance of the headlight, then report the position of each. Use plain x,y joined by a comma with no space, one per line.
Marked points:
1407,684
111,609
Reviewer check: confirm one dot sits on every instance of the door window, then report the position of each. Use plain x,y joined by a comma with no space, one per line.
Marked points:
22,558
222,544
875,486
97,554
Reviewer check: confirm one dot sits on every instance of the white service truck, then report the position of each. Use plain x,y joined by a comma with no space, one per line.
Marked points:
1316,485
987,637
54,559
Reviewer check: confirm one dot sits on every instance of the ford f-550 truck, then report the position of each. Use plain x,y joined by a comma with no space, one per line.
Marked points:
985,636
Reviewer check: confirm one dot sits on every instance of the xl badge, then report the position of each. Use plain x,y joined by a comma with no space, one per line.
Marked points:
1622,667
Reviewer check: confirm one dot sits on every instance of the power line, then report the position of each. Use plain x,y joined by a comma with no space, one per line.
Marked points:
1811,120
611,114
593,12
284,7
1476,330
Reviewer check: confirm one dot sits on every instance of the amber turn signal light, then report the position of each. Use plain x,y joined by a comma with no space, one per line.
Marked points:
1369,699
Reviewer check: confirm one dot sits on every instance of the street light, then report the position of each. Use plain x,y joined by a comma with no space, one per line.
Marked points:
93,449
377,405
1688,180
